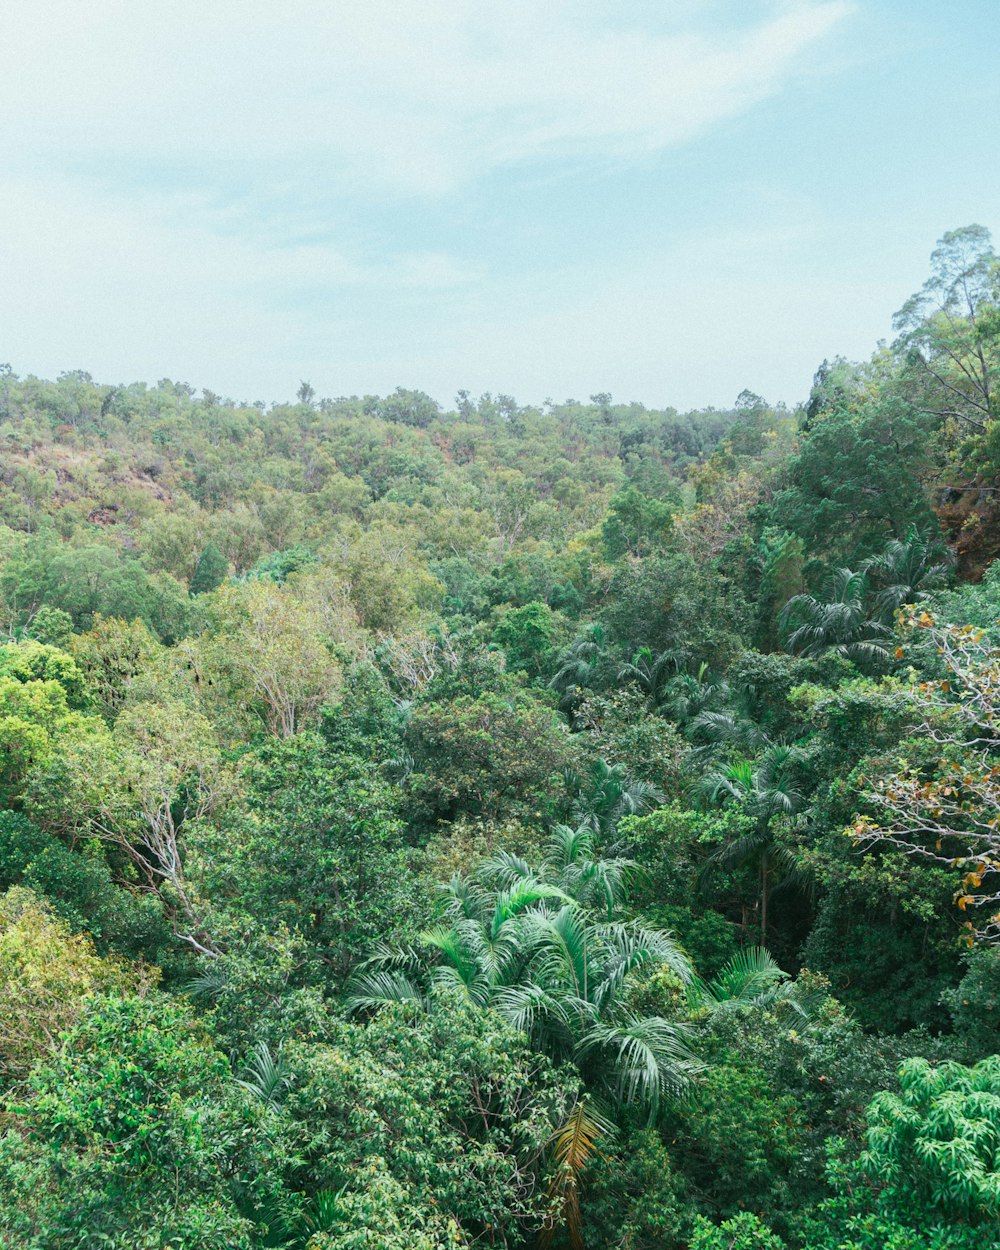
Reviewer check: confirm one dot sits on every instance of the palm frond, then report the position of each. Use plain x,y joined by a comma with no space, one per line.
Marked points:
649,1058
752,979
207,985
574,1146
504,870
371,992
545,1017
266,1076
627,947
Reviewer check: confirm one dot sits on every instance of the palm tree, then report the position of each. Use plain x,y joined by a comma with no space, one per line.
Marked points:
725,727
578,666
519,942
906,570
267,1077
752,979
592,880
607,793
689,695
838,622
651,673
767,791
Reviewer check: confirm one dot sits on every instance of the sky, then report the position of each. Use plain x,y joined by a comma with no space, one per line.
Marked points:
667,200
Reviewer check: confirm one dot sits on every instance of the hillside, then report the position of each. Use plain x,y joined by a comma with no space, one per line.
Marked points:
503,825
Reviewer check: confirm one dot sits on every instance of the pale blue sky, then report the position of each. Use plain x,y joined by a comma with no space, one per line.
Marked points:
668,201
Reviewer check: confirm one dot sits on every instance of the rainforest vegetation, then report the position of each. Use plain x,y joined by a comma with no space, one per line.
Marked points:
511,826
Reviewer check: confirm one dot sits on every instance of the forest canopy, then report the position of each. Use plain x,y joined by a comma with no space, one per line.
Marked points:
569,825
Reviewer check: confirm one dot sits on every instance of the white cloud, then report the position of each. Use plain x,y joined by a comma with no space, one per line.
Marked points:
222,190
411,94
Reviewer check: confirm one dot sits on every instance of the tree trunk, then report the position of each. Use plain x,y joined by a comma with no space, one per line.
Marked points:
765,892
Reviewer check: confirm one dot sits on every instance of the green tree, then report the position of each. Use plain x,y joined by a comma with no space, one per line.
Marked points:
517,940
267,652
425,1131
495,755
636,524
767,788
132,1101
928,1177
46,974
858,479
211,570
906,571
949,332
317,846
840,621
742,1232
527,636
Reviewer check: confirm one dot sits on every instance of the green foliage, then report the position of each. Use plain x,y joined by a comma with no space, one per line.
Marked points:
210,571
280,565
487,756
527,636
114,655
636,524
933,1145
46,973
100,1145
526,942
632,1195
974,1003
90,580
320,848
418,1124
270,674
31,661
737,1140
79,888
858,479
742,1232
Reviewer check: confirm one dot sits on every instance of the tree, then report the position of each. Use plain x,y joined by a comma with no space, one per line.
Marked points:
858,479
32,661
949,333
839,621
113,655
407,408
945,812
139,789
267,650
651,673
426,1130
517,940
491,756
526,635
782,560
210,572
929,1175
579,664
36,723
86,580
605,794
742,1232
768,791
636,524
133,1100
751,979
46,974
317,846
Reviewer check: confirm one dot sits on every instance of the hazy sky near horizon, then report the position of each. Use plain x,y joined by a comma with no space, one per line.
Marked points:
667,200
